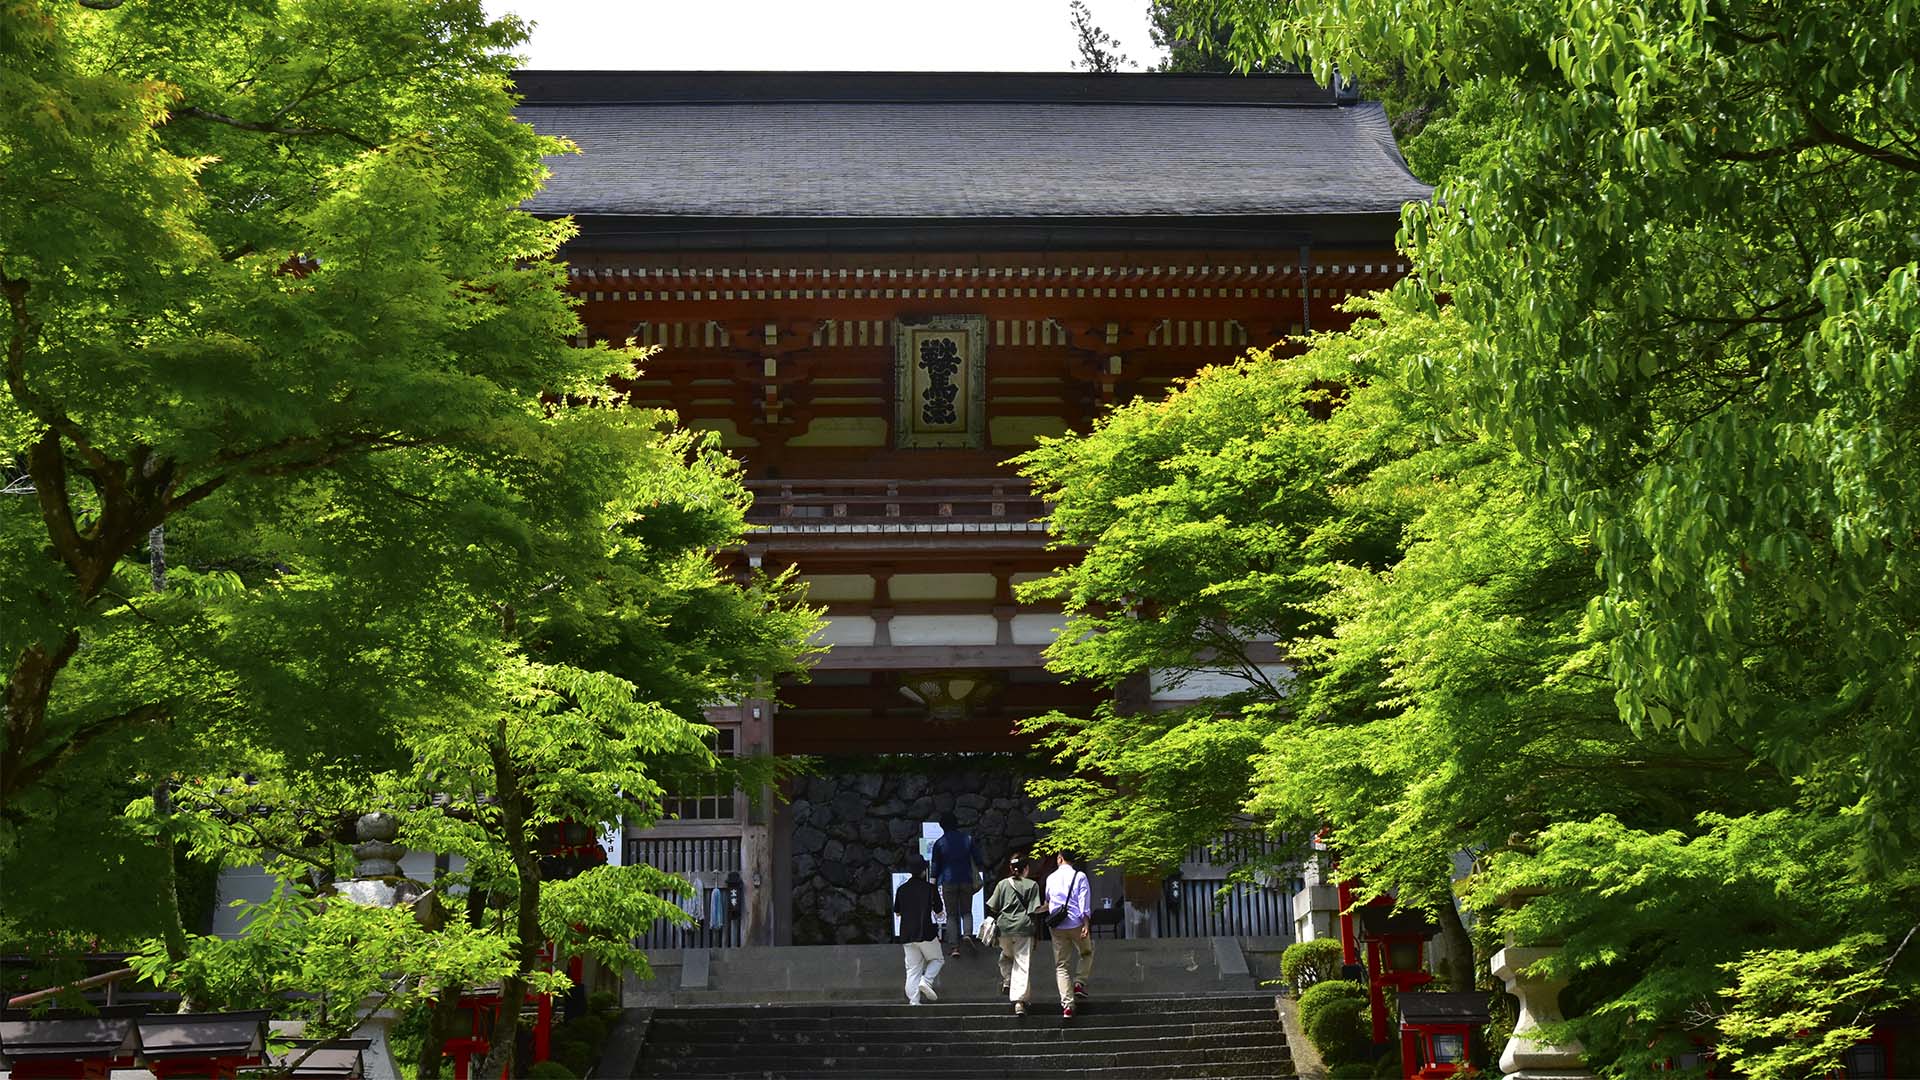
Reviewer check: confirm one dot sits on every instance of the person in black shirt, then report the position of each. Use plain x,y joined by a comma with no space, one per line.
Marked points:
916,901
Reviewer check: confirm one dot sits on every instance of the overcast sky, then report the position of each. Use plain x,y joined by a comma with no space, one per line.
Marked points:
828,35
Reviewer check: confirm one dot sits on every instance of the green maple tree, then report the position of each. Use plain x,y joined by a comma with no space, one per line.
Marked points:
269,290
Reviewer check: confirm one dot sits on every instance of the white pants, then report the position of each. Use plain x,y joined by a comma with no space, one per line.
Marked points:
1016,967
924,962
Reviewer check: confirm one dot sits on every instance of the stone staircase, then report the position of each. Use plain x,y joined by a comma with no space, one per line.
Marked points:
1141,968
1194,1036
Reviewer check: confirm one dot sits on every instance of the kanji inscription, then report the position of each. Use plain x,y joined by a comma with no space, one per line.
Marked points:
940,388
940,357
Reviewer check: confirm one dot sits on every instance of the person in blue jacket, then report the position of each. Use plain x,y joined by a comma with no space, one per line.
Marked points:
956,869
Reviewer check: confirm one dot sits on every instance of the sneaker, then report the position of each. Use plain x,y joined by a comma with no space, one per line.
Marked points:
1080,990
1019,1008
954,955
1006,988
1066,1012
926,991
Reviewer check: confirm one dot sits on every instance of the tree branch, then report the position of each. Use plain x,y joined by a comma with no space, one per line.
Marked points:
15,290
80,738
1865,149
195,113
246,462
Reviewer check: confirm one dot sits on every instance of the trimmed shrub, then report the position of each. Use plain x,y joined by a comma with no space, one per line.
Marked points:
590,1027
575,1053
601,1002
550,1070
1326,992
1341,1032
1333,1013
1307,962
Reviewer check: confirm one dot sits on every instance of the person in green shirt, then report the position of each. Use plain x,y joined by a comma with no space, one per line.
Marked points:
1013,905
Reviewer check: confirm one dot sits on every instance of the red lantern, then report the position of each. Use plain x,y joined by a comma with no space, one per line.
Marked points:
1437,1031
1396,955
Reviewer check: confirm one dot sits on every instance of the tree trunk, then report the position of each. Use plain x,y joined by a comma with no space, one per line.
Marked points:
29,685
440,1020
1456,949
446,1008
529,937
157,557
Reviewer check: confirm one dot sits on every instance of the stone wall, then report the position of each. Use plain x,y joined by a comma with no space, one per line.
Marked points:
852,830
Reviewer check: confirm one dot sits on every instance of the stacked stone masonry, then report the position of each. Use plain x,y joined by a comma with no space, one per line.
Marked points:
852,831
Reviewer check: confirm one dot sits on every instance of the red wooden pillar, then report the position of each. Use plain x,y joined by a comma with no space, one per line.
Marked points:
1349,948
1376,993
543,1029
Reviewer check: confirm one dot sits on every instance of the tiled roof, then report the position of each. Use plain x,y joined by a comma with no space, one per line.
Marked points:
934,146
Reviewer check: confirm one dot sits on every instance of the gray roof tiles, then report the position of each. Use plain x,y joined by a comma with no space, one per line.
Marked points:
1048,152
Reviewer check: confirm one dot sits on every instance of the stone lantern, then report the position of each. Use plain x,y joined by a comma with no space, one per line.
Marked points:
1528,1056
377,882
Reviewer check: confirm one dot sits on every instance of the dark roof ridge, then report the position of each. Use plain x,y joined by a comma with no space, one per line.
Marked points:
603,87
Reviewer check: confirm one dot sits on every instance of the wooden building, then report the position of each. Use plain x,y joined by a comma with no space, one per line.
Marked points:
878,287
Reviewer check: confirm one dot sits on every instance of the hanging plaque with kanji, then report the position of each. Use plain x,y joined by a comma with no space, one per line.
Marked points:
939,381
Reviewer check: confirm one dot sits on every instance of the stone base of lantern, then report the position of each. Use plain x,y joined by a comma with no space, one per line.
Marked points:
1527,1057
377,1059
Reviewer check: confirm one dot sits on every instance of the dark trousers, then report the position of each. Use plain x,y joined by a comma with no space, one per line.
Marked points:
958,900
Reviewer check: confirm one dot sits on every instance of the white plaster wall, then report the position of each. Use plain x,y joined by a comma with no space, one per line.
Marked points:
825,587
846,630
730,435
1037,629
1023,430
1205,684
418,865
942,586
250,883
943,629
843,431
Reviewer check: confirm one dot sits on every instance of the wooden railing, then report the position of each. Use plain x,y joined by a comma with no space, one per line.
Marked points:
881,502
1244,911
705,862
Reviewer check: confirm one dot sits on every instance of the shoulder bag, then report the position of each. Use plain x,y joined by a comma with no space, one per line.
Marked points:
1056,916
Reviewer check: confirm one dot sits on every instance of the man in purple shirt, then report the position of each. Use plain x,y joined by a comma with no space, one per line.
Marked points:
1067,888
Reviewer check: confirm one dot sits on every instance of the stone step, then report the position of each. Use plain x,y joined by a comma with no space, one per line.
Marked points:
983,1064
1029,1027
873,973
1039,1024
1010,1069
1035,1027
1231,1035
894,1011
1039,1043
943,1015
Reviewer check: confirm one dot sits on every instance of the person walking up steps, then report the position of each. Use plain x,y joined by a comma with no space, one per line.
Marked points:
956,869
1013,905
1067,893
915,902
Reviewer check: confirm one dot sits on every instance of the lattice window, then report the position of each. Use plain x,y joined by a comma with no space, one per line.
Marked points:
711,799
1866,1060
